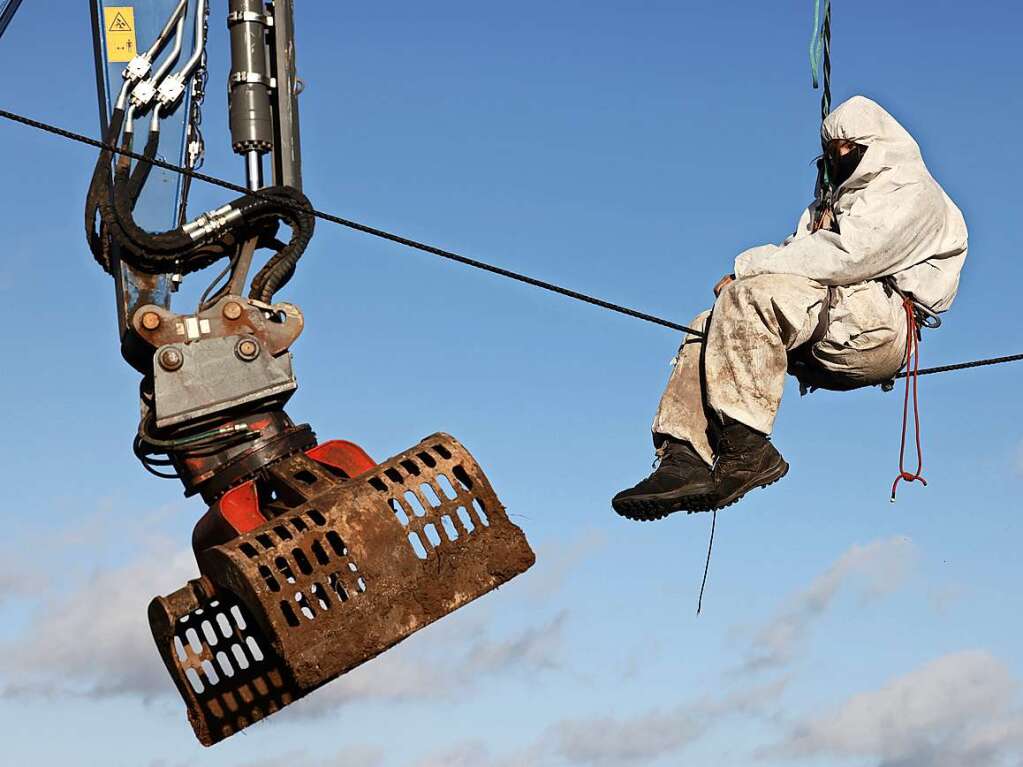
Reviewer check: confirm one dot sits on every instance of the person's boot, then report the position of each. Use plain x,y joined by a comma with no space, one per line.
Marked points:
746,460
681,482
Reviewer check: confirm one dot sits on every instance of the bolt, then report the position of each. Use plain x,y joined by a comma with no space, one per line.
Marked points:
171,359
247,349
232,310
150,320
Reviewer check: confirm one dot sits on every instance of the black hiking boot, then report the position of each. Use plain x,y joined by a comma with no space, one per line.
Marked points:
681,482
746,460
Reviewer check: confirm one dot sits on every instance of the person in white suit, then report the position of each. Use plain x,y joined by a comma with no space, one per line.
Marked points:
828,304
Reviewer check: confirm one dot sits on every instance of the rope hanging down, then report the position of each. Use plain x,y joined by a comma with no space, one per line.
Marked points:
71,135
912,373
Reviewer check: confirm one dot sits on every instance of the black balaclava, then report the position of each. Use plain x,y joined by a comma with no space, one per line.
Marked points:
840,168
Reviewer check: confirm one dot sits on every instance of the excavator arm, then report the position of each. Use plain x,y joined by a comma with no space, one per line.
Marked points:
313,558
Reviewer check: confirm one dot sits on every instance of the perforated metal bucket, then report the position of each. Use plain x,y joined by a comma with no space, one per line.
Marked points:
331,583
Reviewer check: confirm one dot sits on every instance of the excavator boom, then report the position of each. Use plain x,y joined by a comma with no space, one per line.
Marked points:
312,557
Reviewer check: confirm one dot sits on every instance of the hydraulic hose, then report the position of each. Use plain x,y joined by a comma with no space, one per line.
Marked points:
276,273
99,189
111,197
140,174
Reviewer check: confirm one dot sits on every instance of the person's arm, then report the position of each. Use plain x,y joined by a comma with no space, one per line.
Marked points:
877,238
803,227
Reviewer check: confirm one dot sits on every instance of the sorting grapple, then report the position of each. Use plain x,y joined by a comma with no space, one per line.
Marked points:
349,569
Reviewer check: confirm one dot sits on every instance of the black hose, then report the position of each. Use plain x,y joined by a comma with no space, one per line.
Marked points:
98,190
296,211
112,198
140,174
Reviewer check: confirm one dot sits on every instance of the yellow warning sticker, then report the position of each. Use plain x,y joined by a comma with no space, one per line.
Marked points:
119,22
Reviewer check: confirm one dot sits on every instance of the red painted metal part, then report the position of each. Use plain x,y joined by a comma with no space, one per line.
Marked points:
239,507
343,455
238,511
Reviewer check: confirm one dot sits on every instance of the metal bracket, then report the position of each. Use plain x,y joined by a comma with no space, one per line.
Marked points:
198,380
240,17
253,78
275,325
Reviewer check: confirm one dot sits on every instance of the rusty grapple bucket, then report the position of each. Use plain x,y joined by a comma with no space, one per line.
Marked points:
356,566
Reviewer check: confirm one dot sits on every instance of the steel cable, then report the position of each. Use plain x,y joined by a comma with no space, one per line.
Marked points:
446,254
364,228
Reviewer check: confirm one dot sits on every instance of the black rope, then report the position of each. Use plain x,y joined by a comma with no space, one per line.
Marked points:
967,365
359,227
706,565
46,127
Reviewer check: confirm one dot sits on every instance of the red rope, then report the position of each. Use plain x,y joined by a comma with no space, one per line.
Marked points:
912,378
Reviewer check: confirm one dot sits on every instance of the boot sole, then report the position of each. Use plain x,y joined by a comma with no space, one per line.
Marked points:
650,508
778,471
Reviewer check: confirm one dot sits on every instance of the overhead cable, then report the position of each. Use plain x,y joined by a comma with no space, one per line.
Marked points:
446,254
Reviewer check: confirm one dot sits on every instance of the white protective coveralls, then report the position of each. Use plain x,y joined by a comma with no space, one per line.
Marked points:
893,220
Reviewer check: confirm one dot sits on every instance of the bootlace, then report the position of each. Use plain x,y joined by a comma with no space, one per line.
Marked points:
665,456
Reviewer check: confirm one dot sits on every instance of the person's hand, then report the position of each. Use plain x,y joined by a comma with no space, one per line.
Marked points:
723,283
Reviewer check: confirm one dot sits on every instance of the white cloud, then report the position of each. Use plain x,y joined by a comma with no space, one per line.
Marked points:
613,742
475,753
351,756
442,660
961,709
658,733
93,639
880,567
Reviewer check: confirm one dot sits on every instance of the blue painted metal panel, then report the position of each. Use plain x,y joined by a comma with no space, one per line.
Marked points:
157,206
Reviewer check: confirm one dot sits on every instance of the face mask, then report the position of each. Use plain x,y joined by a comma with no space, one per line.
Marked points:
841,168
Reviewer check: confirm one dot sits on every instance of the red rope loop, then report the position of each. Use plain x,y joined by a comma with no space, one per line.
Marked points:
912,379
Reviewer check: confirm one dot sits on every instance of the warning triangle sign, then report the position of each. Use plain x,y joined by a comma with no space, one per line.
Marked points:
119,24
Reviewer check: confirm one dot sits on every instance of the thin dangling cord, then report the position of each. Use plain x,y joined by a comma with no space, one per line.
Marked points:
912,379
706,566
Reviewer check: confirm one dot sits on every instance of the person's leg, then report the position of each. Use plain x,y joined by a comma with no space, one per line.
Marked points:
734,378
682,413
866,339
756,322
682,480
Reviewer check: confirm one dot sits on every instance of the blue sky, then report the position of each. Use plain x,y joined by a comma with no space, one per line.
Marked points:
628,150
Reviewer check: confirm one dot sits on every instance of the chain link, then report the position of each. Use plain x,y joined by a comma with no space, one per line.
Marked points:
195,154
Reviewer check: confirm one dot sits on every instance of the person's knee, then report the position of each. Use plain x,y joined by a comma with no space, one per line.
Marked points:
699,322
748,291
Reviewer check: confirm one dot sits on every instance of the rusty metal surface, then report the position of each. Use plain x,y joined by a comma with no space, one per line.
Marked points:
232,315
224,667
352,569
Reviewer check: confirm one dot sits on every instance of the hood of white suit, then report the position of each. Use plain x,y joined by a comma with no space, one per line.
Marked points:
889,145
